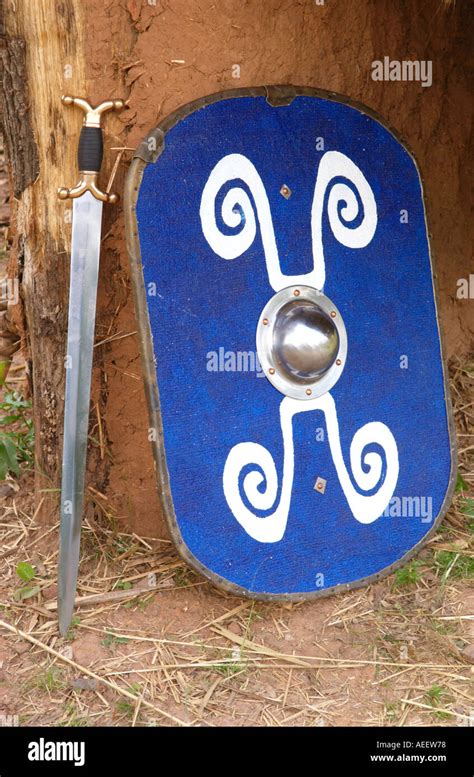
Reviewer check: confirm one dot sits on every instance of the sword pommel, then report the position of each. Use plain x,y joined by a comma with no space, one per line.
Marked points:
90,150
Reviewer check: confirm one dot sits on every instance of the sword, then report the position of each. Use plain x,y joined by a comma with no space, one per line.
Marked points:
88,200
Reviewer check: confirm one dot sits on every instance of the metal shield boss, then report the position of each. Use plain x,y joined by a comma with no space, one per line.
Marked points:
290,341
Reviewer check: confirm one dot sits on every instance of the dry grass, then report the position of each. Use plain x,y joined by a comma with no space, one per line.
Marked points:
153,644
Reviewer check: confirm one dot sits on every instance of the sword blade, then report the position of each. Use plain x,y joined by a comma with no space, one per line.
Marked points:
86,231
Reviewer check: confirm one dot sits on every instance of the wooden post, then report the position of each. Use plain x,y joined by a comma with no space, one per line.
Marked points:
42,57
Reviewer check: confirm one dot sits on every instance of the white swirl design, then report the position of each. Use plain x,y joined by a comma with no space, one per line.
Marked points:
336,165
270,528
238,210
347,201
365,508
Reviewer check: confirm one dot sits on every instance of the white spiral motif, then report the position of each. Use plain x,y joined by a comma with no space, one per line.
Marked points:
336,165
238,211
241,455
272,527
365,508
241,212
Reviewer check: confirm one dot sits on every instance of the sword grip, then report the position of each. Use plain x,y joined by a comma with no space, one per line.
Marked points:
91,149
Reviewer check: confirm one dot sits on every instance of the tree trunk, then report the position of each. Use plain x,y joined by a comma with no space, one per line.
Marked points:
43,57
159,55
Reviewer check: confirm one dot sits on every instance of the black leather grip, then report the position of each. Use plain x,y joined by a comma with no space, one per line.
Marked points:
90,150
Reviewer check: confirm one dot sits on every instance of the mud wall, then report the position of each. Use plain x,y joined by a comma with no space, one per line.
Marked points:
160,55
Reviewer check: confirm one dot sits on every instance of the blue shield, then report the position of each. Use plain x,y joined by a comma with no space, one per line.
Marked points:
231,201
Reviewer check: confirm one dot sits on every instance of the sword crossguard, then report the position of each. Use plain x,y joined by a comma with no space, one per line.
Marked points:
87,183
90,149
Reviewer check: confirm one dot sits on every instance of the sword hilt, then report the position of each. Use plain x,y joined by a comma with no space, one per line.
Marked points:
90,151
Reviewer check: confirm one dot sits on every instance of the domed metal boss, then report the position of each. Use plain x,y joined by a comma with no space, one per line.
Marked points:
301,342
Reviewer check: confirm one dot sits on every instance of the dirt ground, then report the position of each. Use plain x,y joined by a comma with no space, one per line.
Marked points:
153,644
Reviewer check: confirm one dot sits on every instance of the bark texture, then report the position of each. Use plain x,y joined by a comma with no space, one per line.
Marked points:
42,57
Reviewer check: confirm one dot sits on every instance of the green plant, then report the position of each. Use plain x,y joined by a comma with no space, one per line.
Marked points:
16,434
74,720
231,665
125,708
50,680
181,577
455,565
228,670
443,627
435,696
467,507
392,709
408,575
461,484
118,546
26,573
122,585
71,632
142,604
113,639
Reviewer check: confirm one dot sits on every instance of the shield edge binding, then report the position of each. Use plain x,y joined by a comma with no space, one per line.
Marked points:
276,95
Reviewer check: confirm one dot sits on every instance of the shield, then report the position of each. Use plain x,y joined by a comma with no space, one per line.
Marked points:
299,410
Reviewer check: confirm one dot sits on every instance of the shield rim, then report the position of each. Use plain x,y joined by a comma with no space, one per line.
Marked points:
148,153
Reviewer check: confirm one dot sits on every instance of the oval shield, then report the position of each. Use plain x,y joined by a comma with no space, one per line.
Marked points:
298,400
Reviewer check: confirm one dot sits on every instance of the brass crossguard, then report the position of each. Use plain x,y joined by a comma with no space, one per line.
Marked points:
90,149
